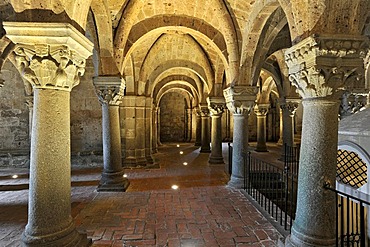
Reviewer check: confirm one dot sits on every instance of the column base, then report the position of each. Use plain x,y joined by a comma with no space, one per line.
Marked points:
296,239
236,183
216,160
113,182
69,237
261,149
205,150
133,162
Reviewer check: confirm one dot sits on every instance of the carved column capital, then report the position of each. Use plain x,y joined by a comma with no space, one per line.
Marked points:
290,105
216,105
324,66
204,111
240,99
261,109
109,89
49,55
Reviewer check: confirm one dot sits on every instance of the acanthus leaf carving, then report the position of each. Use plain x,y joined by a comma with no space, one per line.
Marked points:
109,94
325,66
45,66
240,99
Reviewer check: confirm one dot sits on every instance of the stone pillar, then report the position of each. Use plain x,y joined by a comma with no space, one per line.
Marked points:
159,127
280,141
261,112
133,141
155,129
228,126
189,117
148,132
205,134
321,67
239,100
198,130
110,91
51,56
216,106
288,108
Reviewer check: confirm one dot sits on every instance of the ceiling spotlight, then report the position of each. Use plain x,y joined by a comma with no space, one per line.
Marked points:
174,187
15,176
125,175
185,163
181,152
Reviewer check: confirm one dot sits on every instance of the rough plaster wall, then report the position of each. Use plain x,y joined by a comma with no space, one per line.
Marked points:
14,117
86,130
172,117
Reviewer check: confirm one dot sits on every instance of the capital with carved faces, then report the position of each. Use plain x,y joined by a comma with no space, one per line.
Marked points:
290,105
204,111
240,99
109,89
216,105
324,66
49,55
261,109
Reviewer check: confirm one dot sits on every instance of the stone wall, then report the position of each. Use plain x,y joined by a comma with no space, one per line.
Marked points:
14,117
86,132
172,117
86,126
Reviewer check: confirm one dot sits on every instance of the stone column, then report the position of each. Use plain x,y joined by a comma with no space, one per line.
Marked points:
198,130
288,108
321,67
189,114
206,137
159,127
110,91
239,100
228,123
148,132
216,106
51,56
261,112
155,129
280,141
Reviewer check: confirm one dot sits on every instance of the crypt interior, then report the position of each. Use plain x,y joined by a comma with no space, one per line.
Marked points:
137,122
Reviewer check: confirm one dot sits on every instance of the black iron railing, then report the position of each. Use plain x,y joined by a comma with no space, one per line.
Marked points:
351,219
273,188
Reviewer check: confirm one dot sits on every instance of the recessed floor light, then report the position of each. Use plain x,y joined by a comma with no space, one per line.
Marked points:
174,187
178,145
125,175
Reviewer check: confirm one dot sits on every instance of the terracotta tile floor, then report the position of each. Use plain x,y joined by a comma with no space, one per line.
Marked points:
201,212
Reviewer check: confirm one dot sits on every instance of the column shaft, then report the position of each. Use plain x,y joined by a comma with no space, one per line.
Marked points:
206,138
261,133
198,133
155,130
49,208
216,140
240,145
112,175
316,205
